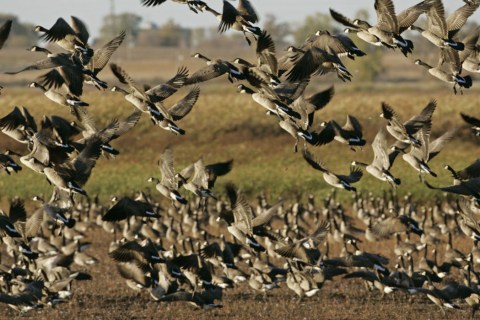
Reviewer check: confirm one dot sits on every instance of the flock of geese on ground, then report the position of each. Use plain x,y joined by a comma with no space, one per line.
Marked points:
193,250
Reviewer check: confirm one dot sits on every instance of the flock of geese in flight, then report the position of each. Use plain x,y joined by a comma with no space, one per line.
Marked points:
193,250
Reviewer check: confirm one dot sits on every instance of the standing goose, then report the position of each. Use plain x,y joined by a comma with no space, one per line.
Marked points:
474,122
335,180
381,164
441,31
71,38
448,69
168,185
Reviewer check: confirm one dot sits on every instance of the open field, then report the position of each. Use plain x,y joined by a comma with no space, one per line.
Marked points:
262,152
224,125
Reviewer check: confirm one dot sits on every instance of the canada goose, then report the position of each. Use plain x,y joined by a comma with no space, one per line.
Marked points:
126,207
120,127
8,164
214,69
307,106
164,90
71,38
384,229
53,212
339,45
474,122
441,31
242,226
316,60
168,185
273,105
19,125
159,115
380,166
100,59
145,252
48,149
297,250
73,175
302,283
468,188
16,216
136,96
389,26
265,71
212,171
239,19
351,133
383,283
28,299
51,61
203,300
418,157
59,98
448,70
470,172
470,56
397,129
194,5
360,28
314,138
5,32
335,180
444,297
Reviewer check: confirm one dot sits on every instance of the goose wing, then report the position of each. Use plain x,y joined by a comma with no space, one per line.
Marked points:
5,32
386,18
102,56
185,105
80,29
459,17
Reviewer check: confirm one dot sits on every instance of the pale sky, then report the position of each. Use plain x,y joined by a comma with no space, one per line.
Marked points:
46,12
